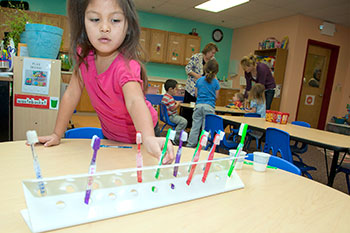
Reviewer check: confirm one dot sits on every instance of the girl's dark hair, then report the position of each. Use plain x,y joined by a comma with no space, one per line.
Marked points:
211,68
130,48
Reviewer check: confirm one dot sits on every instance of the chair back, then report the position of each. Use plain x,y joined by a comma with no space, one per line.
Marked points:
301,123
303,148
278,141
279,163
154,99
252,114
164,115
84,132
213,124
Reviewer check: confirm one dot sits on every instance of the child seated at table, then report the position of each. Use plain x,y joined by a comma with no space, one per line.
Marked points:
172,106
257,100
238,100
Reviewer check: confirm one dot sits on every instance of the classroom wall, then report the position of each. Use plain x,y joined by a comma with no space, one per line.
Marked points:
299,29
165,23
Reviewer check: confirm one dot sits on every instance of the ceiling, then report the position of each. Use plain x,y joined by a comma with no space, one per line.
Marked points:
253,12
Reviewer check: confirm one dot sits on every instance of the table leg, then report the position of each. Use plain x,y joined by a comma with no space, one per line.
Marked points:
333,168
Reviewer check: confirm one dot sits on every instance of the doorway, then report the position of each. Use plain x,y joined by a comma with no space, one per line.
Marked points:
319,69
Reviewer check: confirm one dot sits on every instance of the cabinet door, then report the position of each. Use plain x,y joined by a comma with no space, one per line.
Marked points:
144,42
225,96
66,34
157,45
50,19
193,44
175,48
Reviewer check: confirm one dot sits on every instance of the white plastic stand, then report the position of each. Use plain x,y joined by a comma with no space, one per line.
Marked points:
117,193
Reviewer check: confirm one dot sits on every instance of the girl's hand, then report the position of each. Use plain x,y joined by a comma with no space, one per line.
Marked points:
51,140
154,146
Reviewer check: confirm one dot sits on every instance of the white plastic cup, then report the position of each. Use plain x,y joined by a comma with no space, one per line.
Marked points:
239,162
192,104
261,160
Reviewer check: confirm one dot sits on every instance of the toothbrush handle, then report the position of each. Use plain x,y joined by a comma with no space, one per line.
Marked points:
38,176
238,152
207,166
177,159
193,167
139,165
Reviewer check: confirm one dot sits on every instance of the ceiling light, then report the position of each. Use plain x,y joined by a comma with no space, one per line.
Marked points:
219,5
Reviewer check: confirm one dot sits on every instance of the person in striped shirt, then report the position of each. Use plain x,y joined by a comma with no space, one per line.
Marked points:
172,106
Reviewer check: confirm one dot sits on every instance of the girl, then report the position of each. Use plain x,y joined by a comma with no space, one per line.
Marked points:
257,100
259,73
105,43
207,90
238,100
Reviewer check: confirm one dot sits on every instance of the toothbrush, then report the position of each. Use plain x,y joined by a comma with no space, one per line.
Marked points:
202,142
183,138
32,138
170,135
139,156
116,146
195,152
218,137
242,131
95,145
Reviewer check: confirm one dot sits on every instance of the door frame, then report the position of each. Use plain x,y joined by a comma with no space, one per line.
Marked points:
329,79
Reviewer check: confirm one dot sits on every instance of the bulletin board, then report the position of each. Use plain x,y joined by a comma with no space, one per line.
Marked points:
36,92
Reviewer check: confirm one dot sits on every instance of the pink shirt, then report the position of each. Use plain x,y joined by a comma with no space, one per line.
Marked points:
106,95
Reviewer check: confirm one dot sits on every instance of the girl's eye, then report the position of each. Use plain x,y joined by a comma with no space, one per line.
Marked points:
115,20
94,20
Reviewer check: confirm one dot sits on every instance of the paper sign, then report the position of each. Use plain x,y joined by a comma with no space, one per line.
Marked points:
310,100
31,101
36,76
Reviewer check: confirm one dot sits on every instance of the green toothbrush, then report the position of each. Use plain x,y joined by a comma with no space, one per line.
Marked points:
242,131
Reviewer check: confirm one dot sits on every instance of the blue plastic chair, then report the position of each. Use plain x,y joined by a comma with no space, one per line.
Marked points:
279,163
214,123
253,134
279,141
84,132
165,117
345,167
299,147
154,99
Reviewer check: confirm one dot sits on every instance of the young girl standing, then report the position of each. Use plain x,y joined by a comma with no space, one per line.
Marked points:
207,90
257,99
105,44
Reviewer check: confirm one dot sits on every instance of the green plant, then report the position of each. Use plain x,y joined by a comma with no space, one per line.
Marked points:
15,21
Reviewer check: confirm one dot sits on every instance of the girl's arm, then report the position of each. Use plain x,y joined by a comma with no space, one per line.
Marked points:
141,117
68,103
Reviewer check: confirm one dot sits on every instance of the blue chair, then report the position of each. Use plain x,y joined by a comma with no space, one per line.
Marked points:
279,163
213,124
253,134
154,99
345,167
279,141
165,117
84,132
299,147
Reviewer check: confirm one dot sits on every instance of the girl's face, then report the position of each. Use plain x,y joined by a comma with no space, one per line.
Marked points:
105,25
248,69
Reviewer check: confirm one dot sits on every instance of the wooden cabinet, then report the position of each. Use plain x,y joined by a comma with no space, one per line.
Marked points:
225,96
157,45
155,87
192,46
175,48
278,69
66,34
144,42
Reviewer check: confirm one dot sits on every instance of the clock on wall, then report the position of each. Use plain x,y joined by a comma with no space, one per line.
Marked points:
217,35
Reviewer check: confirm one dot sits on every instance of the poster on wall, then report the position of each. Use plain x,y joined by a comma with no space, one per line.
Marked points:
36,76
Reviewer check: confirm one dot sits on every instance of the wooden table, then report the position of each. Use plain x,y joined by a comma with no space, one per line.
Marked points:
320,138
272,201
220,109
